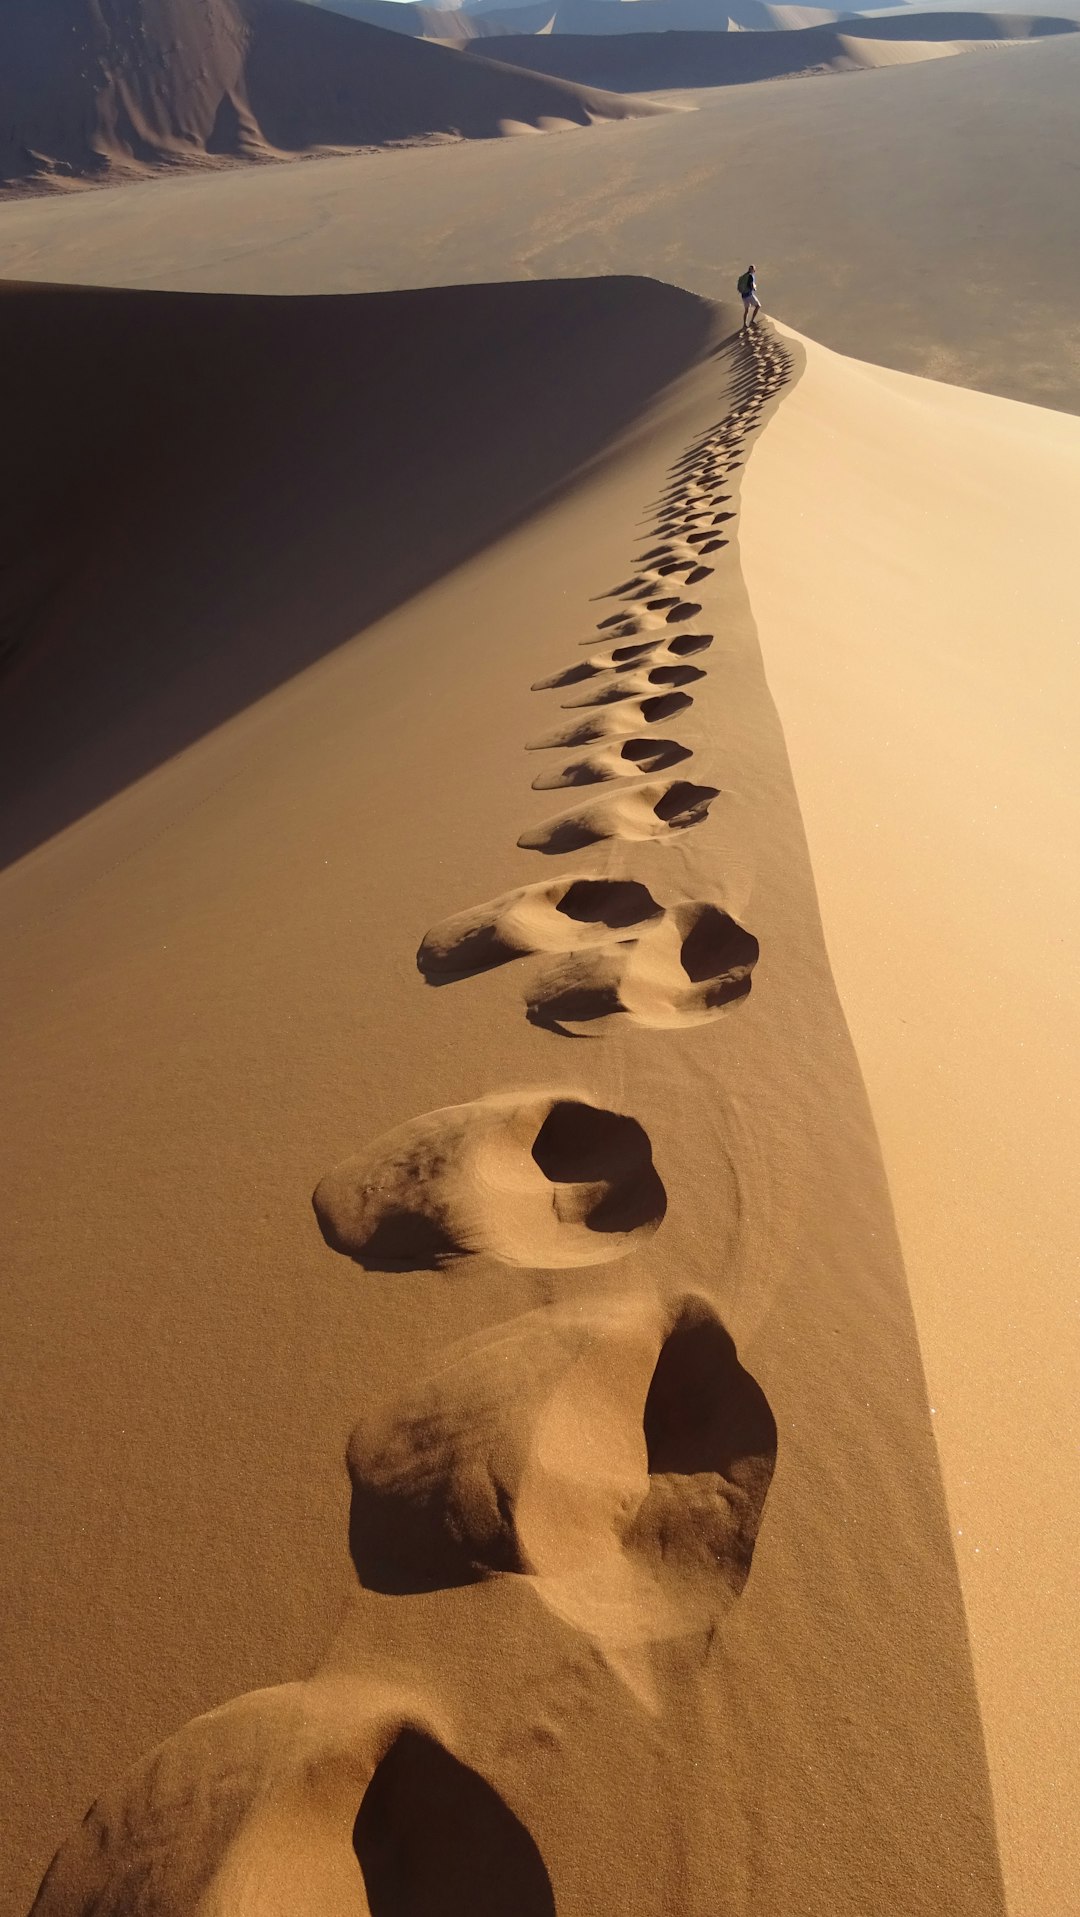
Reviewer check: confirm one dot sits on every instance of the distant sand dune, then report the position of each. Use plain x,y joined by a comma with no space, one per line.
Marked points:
643,62
533,1180
454,25
94,89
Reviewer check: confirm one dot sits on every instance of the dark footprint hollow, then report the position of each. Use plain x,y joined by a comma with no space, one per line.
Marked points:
433,1839
686,643
685,804
614,902
711,1441
675,675
717,946
655,755
583,1145
664,706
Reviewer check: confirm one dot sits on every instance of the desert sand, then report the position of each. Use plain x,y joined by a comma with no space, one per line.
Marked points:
537,1348
92,91
832,184
582,1546
931,735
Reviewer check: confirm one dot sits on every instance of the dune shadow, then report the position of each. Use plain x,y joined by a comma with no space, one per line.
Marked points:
205,493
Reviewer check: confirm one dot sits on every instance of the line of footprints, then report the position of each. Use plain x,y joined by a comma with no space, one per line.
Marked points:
665,1445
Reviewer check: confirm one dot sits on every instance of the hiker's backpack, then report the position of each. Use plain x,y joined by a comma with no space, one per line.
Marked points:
745,285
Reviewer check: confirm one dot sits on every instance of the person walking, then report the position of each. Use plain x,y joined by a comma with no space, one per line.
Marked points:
751,305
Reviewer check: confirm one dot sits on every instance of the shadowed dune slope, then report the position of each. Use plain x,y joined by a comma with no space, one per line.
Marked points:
199,478
99,88
638,61
554,1399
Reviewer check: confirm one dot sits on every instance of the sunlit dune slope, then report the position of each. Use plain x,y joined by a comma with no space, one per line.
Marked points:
457,24
909,555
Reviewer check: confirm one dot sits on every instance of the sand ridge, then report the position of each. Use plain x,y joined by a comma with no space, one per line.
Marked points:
639,1554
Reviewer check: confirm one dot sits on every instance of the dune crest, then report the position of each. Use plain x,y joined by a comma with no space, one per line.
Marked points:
650,61
636,1412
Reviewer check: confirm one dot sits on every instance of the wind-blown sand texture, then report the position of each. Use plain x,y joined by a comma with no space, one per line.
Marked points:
647,1558
100,89
863,199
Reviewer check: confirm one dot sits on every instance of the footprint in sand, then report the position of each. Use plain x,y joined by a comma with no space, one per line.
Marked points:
655,810
686,968
558,915
626,682
599,1451
621,661
302,1801
543,1179
605,763
647,618
617,951
608,722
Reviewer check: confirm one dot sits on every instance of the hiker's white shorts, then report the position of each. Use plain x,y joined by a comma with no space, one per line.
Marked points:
751,303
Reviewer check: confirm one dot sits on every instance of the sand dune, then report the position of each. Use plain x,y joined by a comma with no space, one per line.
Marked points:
862,199
636,63
611,1327
111,88
927,683
456,25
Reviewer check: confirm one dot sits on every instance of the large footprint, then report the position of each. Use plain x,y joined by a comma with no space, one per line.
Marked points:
332,1798
587,1449
607,722
632,682
627,759
649,617
561,915
632,656
686,968
621,952
546,1180
654,810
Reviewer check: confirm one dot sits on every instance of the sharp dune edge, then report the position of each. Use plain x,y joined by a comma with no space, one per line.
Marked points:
646,1598
928,689
108,89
